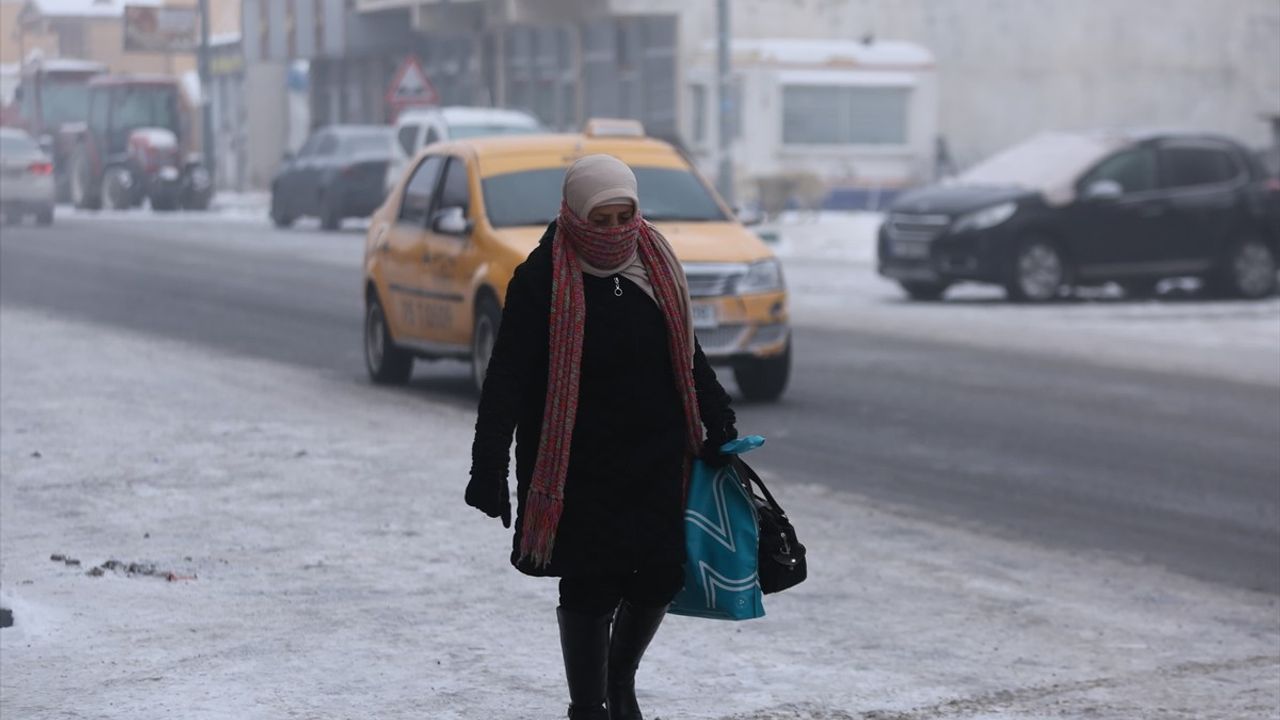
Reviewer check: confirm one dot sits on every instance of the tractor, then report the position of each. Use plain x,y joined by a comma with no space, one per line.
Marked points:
133,148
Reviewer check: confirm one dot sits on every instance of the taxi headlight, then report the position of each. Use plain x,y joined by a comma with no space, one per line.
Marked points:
762,276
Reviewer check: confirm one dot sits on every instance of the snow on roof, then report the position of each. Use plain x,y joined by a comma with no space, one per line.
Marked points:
217,39
789,51
464,115
67,64
86,8
459,115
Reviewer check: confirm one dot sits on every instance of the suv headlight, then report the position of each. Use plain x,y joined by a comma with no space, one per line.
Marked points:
987,217
762,276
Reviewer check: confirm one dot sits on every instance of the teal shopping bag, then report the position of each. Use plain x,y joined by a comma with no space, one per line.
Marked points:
721,543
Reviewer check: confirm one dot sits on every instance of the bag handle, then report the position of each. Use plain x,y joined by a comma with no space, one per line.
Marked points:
749,476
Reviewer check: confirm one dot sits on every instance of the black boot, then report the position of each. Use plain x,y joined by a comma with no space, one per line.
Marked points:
584,640
633,628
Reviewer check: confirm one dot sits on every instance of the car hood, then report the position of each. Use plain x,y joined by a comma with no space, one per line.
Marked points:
955,199
718,242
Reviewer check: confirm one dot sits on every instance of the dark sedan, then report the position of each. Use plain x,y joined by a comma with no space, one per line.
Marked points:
1065,210
336,174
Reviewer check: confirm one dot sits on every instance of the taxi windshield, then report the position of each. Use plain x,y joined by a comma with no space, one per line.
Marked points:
532,197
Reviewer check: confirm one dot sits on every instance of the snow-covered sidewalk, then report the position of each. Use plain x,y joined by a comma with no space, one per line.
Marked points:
336,573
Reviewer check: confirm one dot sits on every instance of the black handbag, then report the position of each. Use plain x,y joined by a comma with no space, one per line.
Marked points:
781,561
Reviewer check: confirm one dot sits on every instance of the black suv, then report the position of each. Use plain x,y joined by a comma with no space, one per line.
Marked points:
1063,210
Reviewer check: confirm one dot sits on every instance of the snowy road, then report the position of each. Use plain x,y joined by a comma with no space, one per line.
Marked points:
1147,430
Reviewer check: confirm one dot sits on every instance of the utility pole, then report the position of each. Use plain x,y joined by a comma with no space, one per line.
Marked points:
726,101
206,92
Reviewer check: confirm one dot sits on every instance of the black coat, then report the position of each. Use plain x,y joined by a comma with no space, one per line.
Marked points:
623,498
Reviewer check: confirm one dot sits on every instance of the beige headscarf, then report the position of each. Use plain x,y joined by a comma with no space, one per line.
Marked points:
595,180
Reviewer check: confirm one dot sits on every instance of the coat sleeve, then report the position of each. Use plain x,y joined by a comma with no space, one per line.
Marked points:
713,402
505,384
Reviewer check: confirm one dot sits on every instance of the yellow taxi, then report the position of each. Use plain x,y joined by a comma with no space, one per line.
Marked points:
442,248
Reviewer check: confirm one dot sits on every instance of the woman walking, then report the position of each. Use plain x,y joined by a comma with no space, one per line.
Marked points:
597,372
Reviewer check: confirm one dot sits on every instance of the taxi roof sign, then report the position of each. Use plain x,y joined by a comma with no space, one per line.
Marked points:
613,127
410,86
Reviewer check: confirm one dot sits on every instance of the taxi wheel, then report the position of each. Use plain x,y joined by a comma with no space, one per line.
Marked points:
483,337
386,363
763,379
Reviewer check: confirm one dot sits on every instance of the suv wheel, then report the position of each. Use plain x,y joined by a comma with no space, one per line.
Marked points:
763,379
924,290
1249,271
330,216
279,217
387,363
45,216
1038,271
483,337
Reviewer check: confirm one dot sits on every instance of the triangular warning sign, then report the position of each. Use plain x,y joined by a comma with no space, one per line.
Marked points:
411,86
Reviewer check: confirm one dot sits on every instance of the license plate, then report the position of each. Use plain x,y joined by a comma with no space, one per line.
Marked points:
911,248
705,316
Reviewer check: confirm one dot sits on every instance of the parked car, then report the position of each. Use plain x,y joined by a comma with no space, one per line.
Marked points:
418,127
442,248
26,178
336,174
1066,210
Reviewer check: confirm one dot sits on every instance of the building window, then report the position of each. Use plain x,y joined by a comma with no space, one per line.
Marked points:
844,115
71,39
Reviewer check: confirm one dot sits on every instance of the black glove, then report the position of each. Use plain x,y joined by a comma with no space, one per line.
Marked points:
711,454
490,496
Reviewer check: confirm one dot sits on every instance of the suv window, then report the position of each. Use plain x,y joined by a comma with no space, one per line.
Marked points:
432,136
1189,166
416,204
407,136
1134,170
455,192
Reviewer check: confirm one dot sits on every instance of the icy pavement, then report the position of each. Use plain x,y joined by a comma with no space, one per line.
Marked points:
336,573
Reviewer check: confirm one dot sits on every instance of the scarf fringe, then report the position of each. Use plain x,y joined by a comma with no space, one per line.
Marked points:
539,537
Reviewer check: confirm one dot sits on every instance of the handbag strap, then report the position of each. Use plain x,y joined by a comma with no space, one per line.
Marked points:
750,476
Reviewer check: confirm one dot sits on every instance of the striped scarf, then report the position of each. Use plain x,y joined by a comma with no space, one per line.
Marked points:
604,248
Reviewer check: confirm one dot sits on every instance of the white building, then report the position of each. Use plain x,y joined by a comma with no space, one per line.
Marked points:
856,114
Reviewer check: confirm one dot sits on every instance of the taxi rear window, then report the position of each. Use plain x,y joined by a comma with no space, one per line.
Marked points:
532,197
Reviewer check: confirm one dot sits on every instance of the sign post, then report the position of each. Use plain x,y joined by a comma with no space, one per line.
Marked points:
411,87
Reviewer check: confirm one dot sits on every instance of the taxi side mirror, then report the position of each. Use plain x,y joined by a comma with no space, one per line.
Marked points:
451,221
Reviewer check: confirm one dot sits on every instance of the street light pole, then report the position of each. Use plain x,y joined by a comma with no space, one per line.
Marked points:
206,92
726,101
